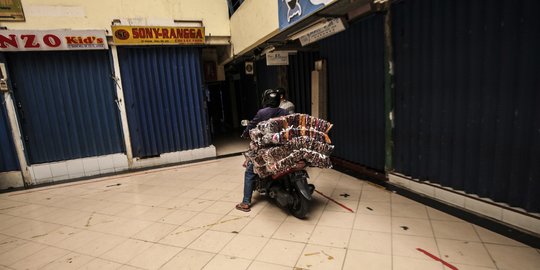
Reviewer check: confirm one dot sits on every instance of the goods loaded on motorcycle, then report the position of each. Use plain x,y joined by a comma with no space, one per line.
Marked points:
280,150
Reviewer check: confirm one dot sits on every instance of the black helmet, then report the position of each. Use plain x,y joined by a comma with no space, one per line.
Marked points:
271,98
281,91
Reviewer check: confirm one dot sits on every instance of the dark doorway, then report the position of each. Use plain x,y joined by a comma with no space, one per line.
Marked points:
229,102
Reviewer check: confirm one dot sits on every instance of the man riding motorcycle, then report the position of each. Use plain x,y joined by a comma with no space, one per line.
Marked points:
270,103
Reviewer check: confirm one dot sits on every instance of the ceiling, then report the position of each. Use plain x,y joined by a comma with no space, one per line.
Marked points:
347,9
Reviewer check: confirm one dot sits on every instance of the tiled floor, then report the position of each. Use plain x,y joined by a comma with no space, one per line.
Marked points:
184,218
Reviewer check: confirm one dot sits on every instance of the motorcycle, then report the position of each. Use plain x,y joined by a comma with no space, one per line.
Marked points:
290,190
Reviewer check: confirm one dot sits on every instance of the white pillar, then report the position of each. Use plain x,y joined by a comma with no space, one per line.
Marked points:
17,139
122,105
319,90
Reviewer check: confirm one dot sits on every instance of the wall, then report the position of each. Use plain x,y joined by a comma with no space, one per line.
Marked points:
252,23
98,14
467,114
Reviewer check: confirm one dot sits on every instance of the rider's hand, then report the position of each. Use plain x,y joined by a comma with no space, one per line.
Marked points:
245,163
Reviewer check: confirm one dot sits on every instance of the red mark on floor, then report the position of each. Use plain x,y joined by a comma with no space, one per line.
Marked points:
335,201
437,259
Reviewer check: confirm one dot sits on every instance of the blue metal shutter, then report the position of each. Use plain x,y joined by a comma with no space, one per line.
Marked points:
299,80
266,78
467,96
66,104
8,157
164,99
356,91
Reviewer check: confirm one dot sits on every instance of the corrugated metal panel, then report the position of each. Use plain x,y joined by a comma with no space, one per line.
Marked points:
266,77
467,95
356,91
164,99
67,104
299,79
8,156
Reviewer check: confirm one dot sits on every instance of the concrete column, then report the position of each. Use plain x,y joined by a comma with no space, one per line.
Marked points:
122,105
17,139
319,90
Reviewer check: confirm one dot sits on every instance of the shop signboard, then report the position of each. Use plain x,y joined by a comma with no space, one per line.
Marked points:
321,31
52,40
157,35
293,11
278,58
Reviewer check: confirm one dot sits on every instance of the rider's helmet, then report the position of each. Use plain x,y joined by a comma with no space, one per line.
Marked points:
271,98
281,91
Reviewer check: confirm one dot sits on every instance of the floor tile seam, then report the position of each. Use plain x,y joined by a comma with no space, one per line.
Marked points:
126,220
4,230
60,208
371,251
89,230
211,259
85,242
428,259
424,258
209,226
439,253
39,204
82,229
192,241
417,218
309,238
273,233
171,258
499,244
127,263
415,234
391,235
448,220
161,238
107,250
521,245
219,252
350,233
300,256
69,252
454,239
274,263
237,232
28,239
485,248
44,246
138,253
7,267
141,219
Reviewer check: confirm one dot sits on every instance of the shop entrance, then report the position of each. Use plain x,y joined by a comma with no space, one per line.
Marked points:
229,102
164,99
66,105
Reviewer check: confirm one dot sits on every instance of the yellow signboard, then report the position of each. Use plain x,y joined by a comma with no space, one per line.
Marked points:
157,35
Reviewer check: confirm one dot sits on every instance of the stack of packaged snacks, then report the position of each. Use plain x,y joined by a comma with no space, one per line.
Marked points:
279,143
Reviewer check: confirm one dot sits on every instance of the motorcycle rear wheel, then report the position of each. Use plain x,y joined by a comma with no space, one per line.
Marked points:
300,206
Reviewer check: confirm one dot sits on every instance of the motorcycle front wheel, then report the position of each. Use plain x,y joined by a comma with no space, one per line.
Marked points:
300,205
